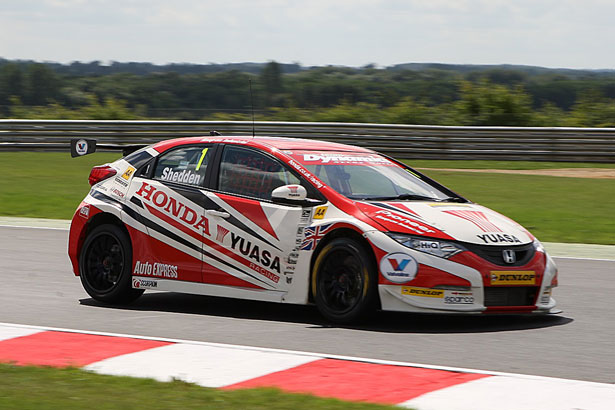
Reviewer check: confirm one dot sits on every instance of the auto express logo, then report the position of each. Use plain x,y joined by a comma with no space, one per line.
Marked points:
398,267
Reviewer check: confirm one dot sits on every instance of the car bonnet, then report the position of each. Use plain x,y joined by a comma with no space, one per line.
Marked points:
470,223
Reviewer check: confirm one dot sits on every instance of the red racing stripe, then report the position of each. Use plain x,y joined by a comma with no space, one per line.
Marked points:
357,381
63,349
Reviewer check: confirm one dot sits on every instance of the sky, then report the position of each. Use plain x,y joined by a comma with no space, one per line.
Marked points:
548,33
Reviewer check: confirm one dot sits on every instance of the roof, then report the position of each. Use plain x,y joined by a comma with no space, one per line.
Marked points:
262,142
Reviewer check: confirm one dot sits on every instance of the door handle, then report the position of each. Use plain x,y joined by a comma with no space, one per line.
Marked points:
220,214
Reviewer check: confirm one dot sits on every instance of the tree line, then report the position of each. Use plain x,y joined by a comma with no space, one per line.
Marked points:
406,94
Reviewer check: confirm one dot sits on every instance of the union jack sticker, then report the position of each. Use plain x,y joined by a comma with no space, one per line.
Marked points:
312,235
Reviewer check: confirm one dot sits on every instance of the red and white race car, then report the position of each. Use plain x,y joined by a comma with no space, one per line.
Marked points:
299,221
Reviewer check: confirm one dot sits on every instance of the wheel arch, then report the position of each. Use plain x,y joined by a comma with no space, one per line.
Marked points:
343,231
101,218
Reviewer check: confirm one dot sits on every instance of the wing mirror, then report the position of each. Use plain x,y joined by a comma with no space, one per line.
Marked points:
293,194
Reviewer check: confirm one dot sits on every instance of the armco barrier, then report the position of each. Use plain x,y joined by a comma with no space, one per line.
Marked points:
402,141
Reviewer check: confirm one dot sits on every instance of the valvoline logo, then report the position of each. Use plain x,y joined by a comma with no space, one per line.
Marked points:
398,267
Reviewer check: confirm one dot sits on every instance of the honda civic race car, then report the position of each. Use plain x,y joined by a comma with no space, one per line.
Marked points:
299,221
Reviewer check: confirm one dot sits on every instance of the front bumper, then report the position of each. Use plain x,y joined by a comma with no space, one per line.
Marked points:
461,288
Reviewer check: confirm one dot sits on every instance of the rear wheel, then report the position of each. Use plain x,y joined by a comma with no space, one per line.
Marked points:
105,265
344,281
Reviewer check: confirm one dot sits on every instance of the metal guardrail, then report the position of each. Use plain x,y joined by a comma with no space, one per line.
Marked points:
401,141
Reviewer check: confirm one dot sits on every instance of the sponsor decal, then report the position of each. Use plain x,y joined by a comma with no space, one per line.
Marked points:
402,221
121,181
252,251
155,269
173,207
269,275
398,267
319,213
128,173
185,176
289,279
293,190
292,259
458,298
221,233
313,235
117,192
477,218
305,214
428,245
81,147
84,211
348,159
422,292
498,238
306,173
144,284
513,277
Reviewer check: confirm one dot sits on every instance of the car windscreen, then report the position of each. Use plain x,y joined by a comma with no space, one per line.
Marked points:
367,176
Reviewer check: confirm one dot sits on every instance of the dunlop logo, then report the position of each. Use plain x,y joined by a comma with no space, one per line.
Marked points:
513,277
422,292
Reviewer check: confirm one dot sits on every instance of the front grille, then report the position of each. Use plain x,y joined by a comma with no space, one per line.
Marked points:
523,253
510,296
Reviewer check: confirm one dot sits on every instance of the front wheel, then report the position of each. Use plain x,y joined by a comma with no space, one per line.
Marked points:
344,281
105,265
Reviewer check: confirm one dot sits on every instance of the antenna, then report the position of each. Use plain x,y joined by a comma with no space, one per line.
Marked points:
252,106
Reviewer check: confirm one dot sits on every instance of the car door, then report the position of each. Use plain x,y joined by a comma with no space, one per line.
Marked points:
171,201
258,237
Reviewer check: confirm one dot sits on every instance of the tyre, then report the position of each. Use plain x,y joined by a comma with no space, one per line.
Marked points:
105,265
344,281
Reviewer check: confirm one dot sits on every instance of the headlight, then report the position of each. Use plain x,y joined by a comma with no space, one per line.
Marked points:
442,249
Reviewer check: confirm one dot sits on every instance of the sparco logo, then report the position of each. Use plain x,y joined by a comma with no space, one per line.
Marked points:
173,207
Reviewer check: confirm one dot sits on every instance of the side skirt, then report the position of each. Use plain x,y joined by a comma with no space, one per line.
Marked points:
141,282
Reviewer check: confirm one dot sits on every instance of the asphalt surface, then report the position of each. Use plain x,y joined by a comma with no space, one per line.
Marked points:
37,287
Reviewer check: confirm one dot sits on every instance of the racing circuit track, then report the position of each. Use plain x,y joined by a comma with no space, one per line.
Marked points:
38,288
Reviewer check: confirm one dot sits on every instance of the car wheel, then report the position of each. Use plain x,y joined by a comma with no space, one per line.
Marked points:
344,281
105,265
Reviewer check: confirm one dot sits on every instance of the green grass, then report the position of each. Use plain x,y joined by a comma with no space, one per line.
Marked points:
49,388
479,164
43,184
555,209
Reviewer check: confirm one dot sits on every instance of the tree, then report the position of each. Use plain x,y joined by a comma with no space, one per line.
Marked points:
41,85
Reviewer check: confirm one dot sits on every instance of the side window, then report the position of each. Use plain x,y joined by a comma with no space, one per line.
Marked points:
184,165
250,173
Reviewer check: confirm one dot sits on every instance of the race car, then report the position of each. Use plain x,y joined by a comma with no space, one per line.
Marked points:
299,221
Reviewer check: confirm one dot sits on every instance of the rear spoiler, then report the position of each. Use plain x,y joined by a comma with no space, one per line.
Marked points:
84,146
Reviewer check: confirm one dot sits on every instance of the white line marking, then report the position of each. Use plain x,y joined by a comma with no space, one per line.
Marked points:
583,259
34,227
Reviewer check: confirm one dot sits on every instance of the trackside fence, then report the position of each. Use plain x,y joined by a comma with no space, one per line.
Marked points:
401,141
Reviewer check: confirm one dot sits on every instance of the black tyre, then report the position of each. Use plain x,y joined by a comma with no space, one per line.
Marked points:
105,265
344,281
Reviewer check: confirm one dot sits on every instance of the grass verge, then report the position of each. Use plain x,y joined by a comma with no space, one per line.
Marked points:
481,164
50,388
555,209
